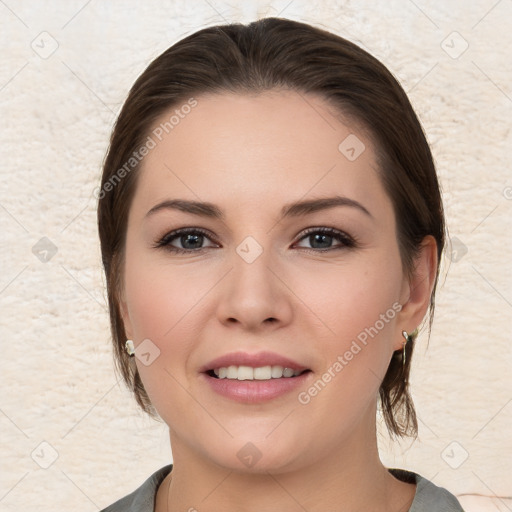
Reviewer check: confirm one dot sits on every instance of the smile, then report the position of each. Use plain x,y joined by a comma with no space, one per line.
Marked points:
259,373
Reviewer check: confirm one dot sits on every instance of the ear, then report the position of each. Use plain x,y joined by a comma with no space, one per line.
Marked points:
417,290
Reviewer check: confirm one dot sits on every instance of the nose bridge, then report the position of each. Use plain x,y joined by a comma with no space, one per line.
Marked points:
250,250
252,262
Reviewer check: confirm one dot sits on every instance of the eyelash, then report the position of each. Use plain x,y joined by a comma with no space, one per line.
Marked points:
347,240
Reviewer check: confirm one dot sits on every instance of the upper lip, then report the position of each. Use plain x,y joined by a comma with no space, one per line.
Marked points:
254,360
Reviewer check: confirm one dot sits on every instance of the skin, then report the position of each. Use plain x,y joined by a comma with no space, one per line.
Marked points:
250,155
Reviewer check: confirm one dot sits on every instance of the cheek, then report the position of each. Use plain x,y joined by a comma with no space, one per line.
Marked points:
350,298
360,304
159,295
156,304
151,306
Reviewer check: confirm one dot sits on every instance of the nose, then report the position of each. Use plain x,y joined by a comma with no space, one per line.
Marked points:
254,294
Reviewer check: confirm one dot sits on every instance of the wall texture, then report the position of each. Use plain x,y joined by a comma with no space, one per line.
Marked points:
72,437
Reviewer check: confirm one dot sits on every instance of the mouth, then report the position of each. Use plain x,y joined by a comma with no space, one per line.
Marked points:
255,373
254,378
256,385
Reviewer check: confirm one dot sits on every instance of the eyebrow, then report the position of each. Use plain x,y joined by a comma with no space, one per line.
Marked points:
296,209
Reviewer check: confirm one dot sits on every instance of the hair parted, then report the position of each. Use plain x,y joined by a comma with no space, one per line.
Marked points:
272,54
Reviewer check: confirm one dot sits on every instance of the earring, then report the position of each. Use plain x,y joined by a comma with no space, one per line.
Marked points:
406,336
130,348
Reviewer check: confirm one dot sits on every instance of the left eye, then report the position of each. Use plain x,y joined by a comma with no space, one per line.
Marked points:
323,237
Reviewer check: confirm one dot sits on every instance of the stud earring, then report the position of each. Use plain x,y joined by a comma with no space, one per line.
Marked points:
130,348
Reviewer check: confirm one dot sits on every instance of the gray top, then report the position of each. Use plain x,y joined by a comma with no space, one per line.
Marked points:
428,498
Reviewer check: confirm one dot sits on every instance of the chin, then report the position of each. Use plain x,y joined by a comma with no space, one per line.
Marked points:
248,455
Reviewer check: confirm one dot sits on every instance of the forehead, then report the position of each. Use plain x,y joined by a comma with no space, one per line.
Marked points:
276,146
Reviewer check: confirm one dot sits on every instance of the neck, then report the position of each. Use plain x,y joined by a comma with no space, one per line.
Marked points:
350,477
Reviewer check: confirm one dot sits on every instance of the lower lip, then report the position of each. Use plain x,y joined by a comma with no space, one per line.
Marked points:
255,391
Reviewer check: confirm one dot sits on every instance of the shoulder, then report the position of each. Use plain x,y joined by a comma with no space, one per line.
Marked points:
141,499
429,497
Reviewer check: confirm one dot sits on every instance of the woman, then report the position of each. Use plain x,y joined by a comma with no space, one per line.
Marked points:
271,228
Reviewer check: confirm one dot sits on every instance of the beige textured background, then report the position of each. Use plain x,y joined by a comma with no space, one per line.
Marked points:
72,437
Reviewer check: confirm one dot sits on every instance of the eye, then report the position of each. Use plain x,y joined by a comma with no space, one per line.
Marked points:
191,240
322,238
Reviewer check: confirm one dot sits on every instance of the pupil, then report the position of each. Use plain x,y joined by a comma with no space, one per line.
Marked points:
320,237
195,239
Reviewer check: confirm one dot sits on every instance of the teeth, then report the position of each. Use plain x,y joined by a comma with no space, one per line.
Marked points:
263,373
250,373
276,372
288,372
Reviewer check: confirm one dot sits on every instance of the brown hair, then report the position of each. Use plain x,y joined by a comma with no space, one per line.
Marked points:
276,53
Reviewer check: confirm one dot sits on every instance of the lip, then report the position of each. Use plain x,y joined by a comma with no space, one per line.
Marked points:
256,391
255,360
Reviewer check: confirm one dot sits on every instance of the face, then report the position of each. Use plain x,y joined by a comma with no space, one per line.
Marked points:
322,287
